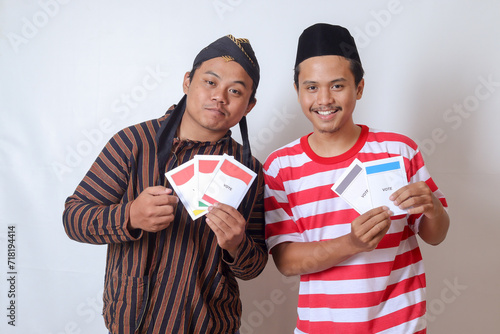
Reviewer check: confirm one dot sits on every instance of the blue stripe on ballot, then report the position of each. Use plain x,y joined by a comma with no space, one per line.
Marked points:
382,167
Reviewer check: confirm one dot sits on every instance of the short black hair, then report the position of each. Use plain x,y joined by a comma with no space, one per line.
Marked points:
197,66
355,67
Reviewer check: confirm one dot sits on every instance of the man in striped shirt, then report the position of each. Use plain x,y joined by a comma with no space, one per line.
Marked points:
360,273
166,273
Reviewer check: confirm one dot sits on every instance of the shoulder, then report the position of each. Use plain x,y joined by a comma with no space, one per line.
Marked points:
376,135
379,142
138,134
289,150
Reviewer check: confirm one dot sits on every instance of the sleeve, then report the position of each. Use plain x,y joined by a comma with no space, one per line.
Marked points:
252,256
96,213
280,225
417,172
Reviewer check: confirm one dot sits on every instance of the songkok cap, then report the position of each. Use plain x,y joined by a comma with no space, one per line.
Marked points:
323,39
232,49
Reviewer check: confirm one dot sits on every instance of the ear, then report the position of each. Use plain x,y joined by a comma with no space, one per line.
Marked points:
186,82
296,89
250,106
360,88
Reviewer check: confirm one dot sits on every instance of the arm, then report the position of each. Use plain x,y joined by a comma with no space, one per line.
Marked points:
101,212
95,212
418,198
291,254
243,245
299,258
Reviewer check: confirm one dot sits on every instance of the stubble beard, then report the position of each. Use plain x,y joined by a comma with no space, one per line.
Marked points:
337,128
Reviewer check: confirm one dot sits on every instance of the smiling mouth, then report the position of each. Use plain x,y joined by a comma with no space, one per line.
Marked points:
326,112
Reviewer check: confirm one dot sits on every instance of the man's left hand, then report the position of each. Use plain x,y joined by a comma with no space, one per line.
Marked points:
228,225
418,198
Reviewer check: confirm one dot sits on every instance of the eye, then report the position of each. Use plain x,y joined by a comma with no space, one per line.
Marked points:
311,88
210,82
338,84
234,91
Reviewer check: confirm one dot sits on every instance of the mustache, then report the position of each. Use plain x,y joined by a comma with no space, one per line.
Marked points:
327,108
216,106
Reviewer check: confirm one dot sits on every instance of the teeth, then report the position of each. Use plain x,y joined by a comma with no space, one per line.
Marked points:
325,113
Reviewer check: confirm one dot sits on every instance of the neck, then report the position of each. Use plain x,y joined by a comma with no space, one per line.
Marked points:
331,144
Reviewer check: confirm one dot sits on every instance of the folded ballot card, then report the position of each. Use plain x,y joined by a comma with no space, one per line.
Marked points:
353,188
207,179
230,184
384,177
369,185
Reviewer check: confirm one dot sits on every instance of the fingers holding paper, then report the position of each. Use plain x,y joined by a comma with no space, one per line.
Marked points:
368,229
228,225
153,210
418,198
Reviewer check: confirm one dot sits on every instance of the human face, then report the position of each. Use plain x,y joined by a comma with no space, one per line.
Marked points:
328,93
217,98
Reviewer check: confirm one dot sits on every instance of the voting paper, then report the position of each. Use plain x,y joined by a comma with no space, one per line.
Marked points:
384,177
206,165
230,184
353,188
185,184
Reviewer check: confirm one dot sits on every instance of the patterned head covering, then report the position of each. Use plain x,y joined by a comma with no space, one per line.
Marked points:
232,49
323,39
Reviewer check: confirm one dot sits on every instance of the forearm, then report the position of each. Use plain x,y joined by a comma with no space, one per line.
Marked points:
433,230
97,224
299,258
249,261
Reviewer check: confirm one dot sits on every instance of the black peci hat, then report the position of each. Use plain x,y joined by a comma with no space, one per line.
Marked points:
323,39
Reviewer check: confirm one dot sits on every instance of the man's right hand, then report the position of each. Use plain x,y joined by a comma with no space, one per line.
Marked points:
368,229
153,210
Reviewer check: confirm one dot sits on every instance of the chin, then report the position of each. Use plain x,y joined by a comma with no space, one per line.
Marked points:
328,130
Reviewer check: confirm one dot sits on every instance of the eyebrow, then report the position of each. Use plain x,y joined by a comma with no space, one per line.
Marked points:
218,77
309,82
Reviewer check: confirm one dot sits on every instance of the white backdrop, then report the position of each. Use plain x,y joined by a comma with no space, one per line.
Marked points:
72,73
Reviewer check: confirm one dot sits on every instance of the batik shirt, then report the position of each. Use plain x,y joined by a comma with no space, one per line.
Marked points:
177,280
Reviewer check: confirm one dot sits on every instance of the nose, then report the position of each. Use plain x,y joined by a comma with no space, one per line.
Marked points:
325,97
219,94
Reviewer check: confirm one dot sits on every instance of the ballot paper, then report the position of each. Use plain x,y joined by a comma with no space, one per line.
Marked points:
206,165
369,185
384,177
185,184
353,187
230,184
207,179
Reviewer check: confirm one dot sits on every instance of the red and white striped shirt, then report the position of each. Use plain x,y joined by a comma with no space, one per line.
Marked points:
382,291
